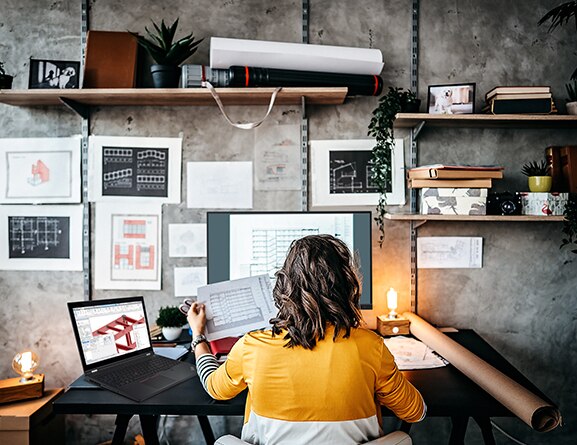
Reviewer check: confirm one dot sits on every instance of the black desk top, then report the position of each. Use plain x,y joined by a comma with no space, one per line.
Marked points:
446,391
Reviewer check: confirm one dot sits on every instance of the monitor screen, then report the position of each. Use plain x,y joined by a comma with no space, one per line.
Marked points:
241,244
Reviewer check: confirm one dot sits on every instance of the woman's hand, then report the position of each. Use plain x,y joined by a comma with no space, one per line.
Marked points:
197,318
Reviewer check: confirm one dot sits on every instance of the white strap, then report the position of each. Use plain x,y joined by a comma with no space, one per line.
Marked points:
247,125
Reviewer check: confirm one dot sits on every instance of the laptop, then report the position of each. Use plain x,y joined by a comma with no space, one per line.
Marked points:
113,339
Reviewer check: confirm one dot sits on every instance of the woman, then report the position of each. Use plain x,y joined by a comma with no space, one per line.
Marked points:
316,376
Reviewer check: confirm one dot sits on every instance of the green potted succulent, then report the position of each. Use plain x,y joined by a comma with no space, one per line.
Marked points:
537,172
381,128
5,79
171,320
167,52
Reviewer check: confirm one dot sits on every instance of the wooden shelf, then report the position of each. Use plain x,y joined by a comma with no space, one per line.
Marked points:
487,218
409,120
172,97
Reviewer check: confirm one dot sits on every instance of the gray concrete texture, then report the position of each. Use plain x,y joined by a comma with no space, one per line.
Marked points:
522,300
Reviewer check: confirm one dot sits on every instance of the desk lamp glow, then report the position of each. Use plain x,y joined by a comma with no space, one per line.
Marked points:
25,363
29,386
392,324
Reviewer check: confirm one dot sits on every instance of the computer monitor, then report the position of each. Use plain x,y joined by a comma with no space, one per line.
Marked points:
241,244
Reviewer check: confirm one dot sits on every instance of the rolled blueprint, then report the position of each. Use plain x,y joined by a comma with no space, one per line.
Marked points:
225,53
530,408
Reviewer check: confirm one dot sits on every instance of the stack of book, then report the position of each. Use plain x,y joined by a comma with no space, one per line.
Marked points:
453,189
520,100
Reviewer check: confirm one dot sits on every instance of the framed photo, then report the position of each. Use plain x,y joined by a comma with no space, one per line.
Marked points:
53,74
451,99
135,168
42,237
40,170
341,172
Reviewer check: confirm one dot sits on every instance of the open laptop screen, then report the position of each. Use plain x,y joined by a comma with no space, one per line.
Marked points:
108,329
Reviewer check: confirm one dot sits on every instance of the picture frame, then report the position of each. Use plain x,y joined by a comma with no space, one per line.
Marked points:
341,174
41,237
456,98
128,169
40,170
53,74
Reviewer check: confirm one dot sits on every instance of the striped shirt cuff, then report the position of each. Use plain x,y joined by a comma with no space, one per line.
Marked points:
206,364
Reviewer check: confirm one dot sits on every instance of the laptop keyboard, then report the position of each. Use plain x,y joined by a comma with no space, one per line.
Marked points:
136,372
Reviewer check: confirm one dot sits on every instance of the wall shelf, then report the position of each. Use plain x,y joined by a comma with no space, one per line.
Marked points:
410,120
509,218
171,97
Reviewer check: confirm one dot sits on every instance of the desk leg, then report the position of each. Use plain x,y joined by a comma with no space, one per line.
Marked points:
459,430
486,429
121,427
149,426
206,430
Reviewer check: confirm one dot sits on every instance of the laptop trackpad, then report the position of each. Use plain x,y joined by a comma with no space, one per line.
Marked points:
158,381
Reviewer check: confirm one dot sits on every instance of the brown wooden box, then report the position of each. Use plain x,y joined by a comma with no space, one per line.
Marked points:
392,326
32,422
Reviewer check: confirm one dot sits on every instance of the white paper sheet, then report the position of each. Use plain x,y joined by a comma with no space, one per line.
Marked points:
225,53
219,185
46,237
128,246
449,252
235,307
187,240
410,353
40,170
187,280
129,169
277,157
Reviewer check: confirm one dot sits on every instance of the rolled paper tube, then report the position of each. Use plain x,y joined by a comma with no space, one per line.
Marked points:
530,408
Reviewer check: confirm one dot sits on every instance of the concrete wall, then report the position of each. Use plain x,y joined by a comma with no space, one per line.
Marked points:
522,300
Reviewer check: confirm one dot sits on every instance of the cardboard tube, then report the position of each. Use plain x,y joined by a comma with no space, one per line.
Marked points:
530,408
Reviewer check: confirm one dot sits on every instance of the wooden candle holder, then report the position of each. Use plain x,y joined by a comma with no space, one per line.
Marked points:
392,326
13,389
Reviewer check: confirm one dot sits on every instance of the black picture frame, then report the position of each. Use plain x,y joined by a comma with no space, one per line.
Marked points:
454,98
53,74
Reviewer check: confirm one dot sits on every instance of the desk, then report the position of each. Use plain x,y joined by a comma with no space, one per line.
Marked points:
448,393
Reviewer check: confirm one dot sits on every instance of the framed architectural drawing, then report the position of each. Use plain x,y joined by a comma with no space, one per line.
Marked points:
47,237
341,172
40,170
128,246
135,169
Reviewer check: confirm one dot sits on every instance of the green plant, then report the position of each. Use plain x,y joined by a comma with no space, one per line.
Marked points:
559,16
162,47
535,168
570,224
571,91
170,317
381,128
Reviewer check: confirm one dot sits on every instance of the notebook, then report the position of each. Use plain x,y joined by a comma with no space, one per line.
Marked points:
115,348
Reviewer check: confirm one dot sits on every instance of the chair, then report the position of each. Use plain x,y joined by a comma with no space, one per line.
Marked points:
394,438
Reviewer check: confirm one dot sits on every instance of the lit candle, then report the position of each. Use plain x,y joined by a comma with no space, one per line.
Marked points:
26,362
392,302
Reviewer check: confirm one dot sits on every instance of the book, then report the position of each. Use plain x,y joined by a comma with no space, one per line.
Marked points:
454,172
516,90
520,106
222,346
450,183
523,96
110,60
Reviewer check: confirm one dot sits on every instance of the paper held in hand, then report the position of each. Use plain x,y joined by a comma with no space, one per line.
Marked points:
235,307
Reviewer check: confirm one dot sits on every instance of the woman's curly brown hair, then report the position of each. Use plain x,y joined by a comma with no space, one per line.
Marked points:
318,285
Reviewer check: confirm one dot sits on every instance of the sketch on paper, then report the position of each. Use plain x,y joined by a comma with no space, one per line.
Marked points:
448,252
123,168
41,237
187,280
187,240
351,172
40,170
127,254
277,157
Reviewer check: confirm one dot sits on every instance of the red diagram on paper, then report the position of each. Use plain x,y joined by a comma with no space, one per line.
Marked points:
40,173
122,329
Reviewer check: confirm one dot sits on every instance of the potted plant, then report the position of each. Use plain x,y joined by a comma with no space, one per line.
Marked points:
5,79
571,97
171,320
167,52
538,175
381,128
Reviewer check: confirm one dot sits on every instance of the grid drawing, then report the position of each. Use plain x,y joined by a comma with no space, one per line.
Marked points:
39,237
232,308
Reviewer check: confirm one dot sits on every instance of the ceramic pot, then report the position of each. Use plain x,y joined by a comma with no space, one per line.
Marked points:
165,76
5,81
571,107
171,333
540,183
